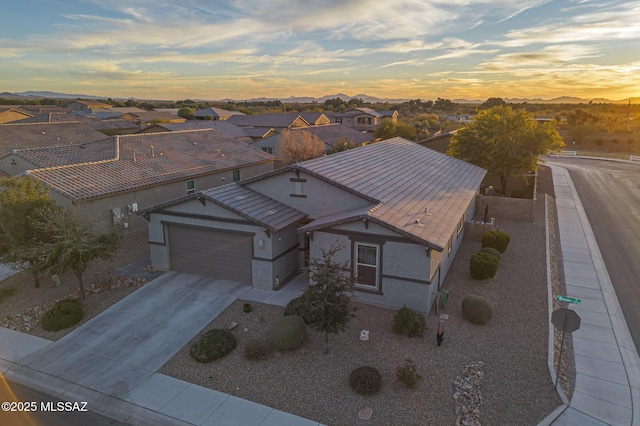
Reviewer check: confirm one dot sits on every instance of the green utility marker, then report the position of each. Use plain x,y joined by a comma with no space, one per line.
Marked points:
573,300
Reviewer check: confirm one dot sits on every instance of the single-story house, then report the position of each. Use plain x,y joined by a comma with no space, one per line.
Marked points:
277,121
396,209
365,119
331,134
110,179
212,114
79,105
148,118
109,127
222,126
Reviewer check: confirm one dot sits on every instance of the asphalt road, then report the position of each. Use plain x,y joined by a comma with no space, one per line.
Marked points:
43,416
610,194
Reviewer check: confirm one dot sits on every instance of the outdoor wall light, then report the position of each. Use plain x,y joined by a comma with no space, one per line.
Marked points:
267,233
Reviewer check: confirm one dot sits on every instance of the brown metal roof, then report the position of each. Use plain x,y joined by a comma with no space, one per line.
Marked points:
422,193
150,159
254,206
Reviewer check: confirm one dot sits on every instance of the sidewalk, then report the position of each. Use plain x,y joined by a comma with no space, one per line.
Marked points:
155,399
607,389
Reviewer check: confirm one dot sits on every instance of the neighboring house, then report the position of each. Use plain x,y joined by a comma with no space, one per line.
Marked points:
228,129
330,134
82,105
461,118
98,113
365,119
15,136
397,209
278,122
8,115
110,179
216,114
110,127
149,118
315,118
439,142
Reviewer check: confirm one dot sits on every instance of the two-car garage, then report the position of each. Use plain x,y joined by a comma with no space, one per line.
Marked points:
213,253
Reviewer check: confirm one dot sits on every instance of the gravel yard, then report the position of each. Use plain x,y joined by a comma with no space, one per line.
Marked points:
516,387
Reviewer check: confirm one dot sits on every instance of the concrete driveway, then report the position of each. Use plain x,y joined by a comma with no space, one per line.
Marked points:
124,345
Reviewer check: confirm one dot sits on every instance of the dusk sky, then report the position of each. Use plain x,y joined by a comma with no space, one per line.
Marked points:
473,49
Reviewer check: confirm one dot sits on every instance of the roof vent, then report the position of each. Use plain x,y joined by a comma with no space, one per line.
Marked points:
240,197
270,212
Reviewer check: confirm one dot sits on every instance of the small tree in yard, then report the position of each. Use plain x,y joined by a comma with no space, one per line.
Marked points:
325,302
24,203
296,146
72,244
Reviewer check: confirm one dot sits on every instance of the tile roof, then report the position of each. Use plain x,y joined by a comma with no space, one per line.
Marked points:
34,135
216,112
64,155
266,120
58,117
331,133
254,206
149,159
422,193
221,126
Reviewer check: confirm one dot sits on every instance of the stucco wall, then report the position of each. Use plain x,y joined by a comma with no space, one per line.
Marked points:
321,198
14,169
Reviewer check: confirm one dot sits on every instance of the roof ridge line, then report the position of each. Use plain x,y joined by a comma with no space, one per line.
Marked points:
40,122
167,133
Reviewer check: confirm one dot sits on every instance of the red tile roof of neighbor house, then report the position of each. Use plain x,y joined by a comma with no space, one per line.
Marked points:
421,193
145,160
35,135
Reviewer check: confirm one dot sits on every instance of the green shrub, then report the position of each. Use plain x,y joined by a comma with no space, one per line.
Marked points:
288,332
477,309
6,293
483,265
212,345
409,322
365,380
256,350
296,307
64,314
496,239
491,251
407,374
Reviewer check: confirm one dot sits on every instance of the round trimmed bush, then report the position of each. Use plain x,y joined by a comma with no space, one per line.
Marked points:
295,307
365,380
212,345
491,251
497,239
409,322
288,332
477,309
483,265
256,350
64,314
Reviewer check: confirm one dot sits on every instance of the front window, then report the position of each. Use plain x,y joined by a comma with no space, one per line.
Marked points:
236,175
366,265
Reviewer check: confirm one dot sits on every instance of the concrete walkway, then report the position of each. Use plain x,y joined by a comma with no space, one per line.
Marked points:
607,389
110,362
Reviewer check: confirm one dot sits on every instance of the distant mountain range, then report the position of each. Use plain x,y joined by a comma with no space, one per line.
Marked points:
30,95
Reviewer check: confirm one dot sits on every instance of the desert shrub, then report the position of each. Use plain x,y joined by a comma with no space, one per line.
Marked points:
365,380
64,314
296,307
288,332
6,293
409,322
407,374
483,265
212,345
496,239
491,251
477,309
256,350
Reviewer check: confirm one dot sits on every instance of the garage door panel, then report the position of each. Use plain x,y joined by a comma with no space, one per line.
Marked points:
216,254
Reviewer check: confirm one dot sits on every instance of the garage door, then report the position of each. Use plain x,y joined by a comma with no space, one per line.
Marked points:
222,255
